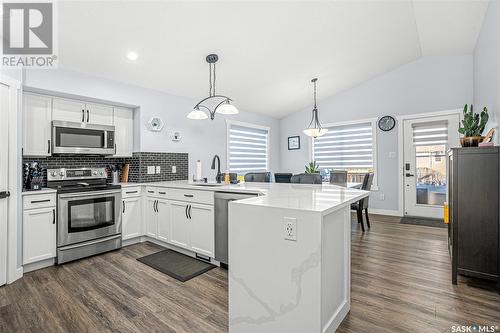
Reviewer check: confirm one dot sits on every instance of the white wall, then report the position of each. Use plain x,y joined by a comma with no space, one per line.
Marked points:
426,85
487,66
201,139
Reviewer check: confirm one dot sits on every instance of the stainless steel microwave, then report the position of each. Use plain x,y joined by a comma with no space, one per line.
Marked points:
82,138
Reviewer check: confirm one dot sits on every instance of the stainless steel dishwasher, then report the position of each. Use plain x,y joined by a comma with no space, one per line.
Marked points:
222,200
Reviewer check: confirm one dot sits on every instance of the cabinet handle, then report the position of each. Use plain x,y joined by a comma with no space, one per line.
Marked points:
88,116
186,211
189,212
151,191
40,201
83,115
115,148
48,146
53,216
154,203
162,192
188,195
131,192
123,210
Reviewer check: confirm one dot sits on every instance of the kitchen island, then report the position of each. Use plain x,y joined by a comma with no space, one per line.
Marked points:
289,255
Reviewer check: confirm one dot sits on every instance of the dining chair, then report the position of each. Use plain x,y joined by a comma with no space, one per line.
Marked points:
258,177
362,205
282,177
338,177
306,178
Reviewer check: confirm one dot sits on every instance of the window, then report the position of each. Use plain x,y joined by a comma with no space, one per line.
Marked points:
248,147
351,147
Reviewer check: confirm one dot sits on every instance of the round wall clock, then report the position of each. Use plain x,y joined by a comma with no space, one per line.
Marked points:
386,123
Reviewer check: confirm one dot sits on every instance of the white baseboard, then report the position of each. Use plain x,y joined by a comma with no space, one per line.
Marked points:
388,212
39,265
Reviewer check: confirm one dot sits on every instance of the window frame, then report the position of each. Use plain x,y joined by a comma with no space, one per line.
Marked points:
373,122
230,122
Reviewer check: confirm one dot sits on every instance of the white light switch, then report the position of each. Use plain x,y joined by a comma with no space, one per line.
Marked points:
151,169
290,228
158,169
174,169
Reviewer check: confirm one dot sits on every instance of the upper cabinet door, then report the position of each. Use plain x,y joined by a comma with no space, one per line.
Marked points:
68,110
124,131
36,125
99,114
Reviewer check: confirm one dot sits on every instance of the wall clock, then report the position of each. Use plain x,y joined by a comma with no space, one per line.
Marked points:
386,123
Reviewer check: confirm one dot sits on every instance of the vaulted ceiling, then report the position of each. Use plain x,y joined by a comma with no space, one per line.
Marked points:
269,50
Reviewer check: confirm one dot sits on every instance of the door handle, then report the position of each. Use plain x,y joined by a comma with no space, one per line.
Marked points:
4,194
88,115
83,115
189,212
409,175
188,195
123,210
48,146
53,216
186,211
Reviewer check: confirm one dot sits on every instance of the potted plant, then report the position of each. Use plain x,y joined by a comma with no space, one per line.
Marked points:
312,167
473,127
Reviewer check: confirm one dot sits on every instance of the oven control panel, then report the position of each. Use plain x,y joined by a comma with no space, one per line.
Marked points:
71,174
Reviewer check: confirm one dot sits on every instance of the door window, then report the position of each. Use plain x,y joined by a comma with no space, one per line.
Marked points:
79,137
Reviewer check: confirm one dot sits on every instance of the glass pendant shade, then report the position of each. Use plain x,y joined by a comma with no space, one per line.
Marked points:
314,129
315,132
227,108
197,115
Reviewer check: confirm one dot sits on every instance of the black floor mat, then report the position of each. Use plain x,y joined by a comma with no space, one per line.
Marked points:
176,265
438,223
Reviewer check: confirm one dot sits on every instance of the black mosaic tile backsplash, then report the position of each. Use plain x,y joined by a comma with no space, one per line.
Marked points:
139,163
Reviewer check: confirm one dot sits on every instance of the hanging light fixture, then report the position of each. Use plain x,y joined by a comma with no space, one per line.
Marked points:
314,129
213,103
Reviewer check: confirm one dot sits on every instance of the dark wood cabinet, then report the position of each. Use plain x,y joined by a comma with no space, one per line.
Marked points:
474,211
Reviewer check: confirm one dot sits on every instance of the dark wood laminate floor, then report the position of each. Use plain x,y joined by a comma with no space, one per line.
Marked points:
400,283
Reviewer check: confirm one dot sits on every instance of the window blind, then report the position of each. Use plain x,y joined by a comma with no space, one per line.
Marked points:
248,149
427,134
345,147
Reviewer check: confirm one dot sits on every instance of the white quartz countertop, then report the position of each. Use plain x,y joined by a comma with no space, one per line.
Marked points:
319,198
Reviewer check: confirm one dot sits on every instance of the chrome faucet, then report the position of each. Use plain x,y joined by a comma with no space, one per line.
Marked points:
218,178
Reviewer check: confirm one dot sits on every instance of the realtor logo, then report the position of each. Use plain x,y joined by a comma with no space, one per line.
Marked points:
28,35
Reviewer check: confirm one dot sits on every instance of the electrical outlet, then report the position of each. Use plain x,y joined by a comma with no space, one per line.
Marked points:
174,169
151,169
158,169
382,196
290,228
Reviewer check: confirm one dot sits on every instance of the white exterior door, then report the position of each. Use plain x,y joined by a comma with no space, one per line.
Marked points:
426,141
4,139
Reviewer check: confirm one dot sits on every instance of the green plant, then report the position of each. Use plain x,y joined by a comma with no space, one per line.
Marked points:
312,167
473,123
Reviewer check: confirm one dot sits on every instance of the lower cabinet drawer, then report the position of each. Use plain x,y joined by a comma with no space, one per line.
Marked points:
34,201
204,197
131,191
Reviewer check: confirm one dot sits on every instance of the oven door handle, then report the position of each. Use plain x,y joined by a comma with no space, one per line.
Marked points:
88,194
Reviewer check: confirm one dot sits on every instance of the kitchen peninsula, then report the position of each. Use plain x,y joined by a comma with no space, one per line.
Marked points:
289,249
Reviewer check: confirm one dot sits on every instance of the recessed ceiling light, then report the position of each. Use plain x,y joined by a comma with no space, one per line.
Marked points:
132,56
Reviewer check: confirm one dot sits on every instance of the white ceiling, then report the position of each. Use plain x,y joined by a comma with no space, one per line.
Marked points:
269,50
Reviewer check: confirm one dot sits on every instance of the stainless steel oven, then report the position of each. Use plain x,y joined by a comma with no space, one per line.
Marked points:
85,216
89,215
82,138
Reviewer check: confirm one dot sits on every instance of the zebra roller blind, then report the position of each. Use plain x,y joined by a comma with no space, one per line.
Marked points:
432,133
347,147
248,148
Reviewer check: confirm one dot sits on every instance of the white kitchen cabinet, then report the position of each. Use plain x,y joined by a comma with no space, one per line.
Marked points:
163,217
39,228
36,125
150,217
201,229
81,112
179,224
69,110
123,120
99,114
131,217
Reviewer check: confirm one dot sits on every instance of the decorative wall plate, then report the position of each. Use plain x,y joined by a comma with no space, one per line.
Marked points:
155,124
176,136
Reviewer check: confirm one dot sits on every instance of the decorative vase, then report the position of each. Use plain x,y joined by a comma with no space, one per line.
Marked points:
471,141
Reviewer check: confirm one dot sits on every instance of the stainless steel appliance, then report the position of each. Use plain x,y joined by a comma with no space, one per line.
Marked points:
222,200
82,138
89,219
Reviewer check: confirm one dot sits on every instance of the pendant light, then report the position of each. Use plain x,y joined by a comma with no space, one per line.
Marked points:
213,103
314,129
